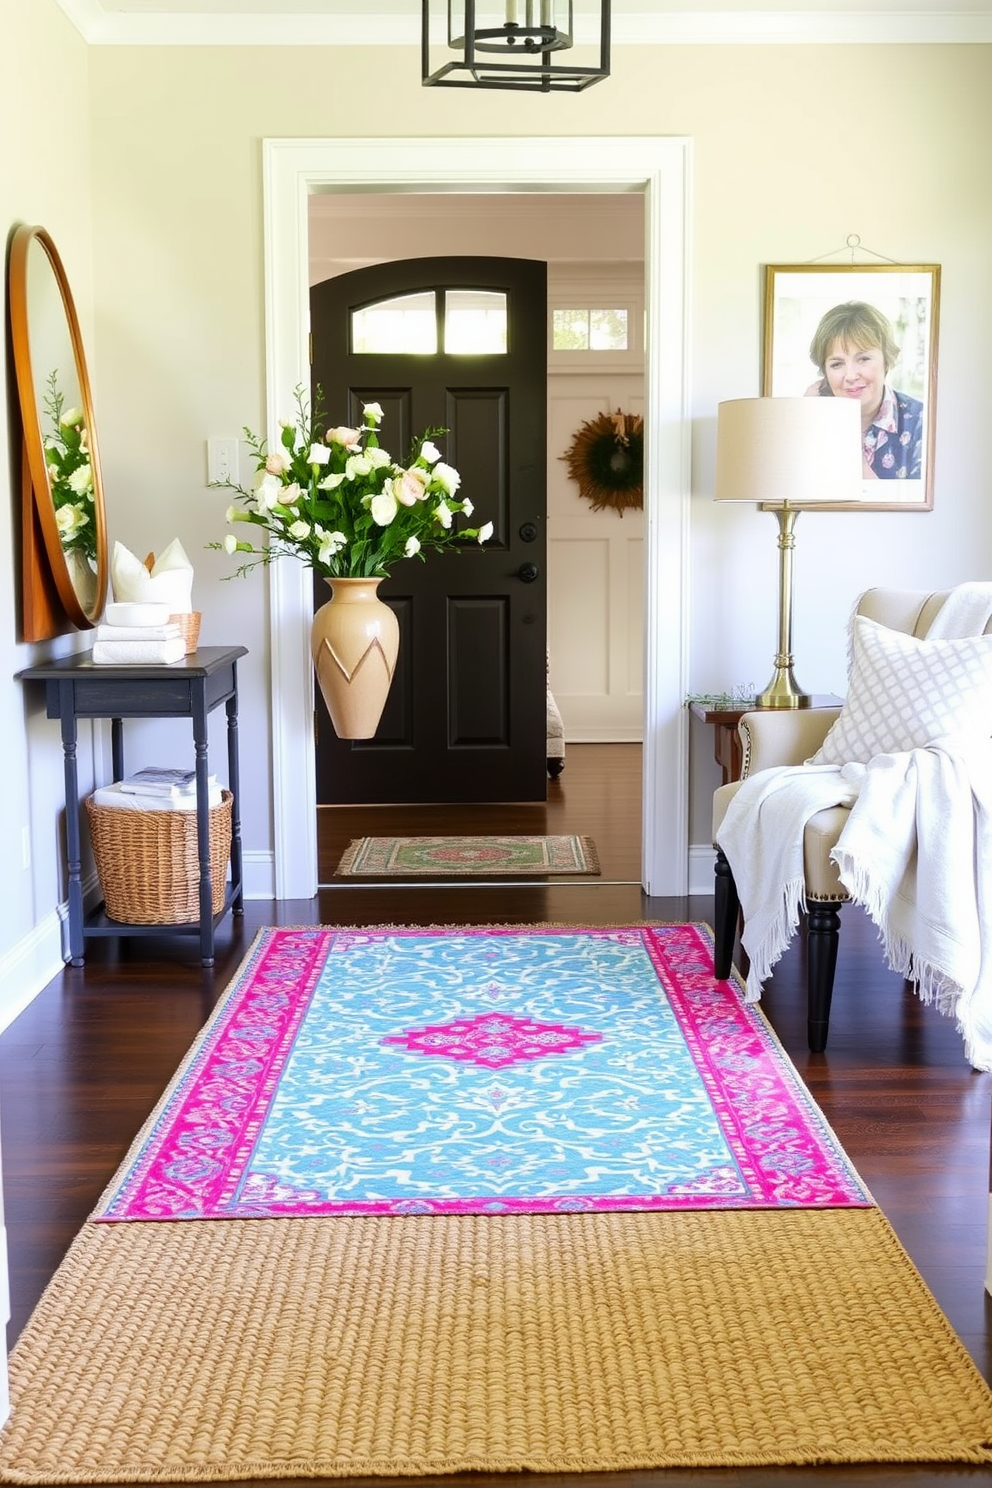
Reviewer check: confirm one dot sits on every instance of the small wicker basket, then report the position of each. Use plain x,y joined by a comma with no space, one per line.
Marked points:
189,628
148,862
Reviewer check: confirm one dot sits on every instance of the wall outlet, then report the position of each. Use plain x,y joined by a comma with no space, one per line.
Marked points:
222,460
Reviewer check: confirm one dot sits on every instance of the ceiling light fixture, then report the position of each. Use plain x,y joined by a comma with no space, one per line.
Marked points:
509,44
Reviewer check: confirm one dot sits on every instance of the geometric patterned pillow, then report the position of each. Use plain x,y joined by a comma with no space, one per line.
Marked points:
903,693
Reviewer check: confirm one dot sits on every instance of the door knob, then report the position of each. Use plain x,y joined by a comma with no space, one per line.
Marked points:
528,572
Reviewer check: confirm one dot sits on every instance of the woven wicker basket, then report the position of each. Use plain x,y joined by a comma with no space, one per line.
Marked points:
189,628
148,862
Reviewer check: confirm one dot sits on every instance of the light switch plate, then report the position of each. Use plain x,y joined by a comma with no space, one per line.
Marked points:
222,460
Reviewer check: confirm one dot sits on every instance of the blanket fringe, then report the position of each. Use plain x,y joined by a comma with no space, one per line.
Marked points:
929,983
776,939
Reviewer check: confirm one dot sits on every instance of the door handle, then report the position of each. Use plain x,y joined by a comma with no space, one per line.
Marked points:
528,572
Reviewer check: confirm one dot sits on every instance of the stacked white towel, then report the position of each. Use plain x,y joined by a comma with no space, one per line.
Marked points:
113,795
138,632
138,635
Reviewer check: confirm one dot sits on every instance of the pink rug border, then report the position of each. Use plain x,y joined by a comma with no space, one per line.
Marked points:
140,1191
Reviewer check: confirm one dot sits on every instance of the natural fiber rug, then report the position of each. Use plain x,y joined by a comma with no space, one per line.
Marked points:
550,1343
494,1069
467,857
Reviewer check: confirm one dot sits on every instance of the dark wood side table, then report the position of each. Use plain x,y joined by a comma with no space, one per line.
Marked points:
726,740
192,688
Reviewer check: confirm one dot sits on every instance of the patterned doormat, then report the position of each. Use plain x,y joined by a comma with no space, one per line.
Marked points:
467,857
482,1070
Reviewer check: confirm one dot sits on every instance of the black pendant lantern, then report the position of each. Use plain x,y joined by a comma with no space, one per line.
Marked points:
516,44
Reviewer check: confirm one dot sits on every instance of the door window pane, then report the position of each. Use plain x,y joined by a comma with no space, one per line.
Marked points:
474,322
406,324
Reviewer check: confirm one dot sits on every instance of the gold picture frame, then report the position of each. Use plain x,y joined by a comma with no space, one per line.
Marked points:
812,310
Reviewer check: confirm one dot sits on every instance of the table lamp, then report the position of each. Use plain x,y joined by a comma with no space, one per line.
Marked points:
784,454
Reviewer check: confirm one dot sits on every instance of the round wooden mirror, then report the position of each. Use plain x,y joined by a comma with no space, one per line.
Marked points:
63,520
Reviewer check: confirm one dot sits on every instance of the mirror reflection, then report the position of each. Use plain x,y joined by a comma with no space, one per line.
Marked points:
65,509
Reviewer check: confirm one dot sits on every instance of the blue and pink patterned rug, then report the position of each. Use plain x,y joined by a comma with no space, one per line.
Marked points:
491,1070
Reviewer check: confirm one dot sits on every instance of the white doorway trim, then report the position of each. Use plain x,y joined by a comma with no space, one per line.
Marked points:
660,168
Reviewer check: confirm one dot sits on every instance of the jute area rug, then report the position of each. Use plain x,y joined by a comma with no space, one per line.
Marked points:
468,857
276,1348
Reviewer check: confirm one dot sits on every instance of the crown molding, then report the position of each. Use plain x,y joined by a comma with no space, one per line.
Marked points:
802,28
100,27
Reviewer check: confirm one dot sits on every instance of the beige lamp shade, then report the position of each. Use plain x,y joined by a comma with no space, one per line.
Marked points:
795,450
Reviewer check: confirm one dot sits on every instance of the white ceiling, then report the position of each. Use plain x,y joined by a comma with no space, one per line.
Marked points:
635,22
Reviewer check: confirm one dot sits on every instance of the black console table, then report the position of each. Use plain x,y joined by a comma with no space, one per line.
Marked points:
192,688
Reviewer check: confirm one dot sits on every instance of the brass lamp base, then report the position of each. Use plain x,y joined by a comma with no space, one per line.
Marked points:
783,692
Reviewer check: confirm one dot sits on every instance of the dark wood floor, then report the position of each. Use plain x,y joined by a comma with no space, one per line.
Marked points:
82,1066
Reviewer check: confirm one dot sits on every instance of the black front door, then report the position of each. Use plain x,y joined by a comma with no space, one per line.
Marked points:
466,714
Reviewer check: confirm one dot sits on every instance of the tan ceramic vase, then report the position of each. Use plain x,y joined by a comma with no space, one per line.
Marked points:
354,641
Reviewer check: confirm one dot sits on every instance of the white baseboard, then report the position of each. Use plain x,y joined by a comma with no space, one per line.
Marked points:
702,858
29,966
612,735
258,870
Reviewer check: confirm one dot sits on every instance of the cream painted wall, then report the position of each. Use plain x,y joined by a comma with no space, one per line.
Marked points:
795,148
44,179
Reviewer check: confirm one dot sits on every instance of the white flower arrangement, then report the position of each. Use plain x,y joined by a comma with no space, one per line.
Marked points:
341,504
70,473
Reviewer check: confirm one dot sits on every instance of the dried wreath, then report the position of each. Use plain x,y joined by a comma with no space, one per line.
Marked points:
606,458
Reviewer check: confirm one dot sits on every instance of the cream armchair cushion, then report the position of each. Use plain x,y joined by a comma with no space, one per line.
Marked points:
789,738
785,738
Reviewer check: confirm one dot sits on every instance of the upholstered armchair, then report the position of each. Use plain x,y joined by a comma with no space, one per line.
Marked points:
790,737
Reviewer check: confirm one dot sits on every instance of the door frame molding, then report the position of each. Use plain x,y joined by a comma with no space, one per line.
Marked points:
657,166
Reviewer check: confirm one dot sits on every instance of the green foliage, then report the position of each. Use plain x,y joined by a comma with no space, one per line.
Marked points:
741,697
70,472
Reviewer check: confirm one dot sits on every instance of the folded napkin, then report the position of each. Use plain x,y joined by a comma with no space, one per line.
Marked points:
112,795
170,580
138,653
137,632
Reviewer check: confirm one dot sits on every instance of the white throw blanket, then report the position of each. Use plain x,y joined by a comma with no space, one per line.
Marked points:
762,839
966,611
916,853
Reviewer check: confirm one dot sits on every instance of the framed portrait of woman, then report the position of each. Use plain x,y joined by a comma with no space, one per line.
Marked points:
864,331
